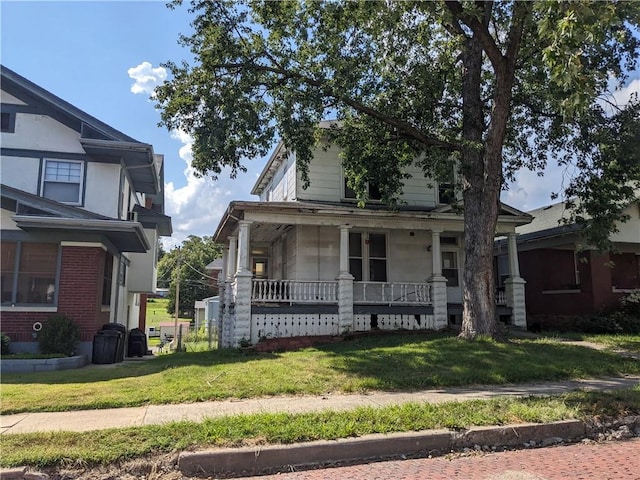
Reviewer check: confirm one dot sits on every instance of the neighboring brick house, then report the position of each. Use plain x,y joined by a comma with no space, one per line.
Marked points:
308,262
564,280
82,212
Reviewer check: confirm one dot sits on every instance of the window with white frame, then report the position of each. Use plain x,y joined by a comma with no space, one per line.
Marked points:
62,181
450,268
368,249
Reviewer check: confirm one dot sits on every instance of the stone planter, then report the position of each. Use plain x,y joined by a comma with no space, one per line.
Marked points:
42,364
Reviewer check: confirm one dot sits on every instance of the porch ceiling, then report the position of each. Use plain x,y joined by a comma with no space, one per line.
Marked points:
267,232
271,219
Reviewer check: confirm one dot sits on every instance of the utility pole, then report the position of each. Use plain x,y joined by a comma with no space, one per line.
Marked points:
177,310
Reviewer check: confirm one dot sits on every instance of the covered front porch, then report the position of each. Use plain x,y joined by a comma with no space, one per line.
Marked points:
288,275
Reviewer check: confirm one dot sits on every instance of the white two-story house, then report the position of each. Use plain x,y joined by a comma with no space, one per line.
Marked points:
82,212
306,262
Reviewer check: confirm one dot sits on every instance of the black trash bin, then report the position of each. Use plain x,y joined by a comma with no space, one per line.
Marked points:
105,346
122,329
137,343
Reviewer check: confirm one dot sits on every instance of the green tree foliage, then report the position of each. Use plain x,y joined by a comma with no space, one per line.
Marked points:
189,261
491,87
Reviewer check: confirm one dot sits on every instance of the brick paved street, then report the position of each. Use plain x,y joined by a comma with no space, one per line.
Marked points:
619,460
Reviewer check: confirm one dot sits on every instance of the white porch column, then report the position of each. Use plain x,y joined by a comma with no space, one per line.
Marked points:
243,246
514,286
514,267
227,295
232,260
438,283
345,284
242,325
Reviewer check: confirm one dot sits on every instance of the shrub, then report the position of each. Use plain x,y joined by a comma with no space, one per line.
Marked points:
625,319
59,334
5,344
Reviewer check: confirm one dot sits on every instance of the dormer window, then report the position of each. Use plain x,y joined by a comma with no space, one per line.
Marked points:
62,181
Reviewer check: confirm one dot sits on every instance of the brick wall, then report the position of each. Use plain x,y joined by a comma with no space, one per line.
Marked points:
79,297
80,291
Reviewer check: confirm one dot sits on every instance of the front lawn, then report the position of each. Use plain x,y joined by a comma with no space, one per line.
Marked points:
387,362
106,446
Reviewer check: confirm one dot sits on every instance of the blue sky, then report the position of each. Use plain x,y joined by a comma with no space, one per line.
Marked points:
104,58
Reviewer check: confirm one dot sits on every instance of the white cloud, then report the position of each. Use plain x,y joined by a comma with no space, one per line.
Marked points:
197,207
530,190
623,95
146,78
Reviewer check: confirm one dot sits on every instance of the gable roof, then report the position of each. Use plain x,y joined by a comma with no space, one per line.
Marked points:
548,222
99,140
276,159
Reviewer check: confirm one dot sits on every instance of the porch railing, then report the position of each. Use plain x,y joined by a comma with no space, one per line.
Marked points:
501,297
392,293
294,291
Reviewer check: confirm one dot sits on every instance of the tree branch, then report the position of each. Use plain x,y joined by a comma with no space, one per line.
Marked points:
520,13
481,31
402,125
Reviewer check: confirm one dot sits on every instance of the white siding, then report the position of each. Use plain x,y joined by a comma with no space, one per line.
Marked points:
291,178
21,173
142,272
408,259
39,132
630,230
292,251
325,174
102,188
281,187
418,190
10,99
318,255
6,221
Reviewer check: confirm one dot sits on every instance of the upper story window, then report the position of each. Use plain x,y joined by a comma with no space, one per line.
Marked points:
373,189
62,181
8,122
446,187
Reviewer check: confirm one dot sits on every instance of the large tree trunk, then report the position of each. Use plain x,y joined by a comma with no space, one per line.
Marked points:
480,197
482,173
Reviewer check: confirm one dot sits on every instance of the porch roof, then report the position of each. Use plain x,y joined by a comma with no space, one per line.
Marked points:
282,214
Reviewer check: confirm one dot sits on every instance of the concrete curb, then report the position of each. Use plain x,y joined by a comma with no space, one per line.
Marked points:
235,461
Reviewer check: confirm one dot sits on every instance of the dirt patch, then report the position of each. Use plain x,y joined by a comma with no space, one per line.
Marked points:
158,467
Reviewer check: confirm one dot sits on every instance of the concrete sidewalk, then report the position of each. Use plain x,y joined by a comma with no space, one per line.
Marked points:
87,420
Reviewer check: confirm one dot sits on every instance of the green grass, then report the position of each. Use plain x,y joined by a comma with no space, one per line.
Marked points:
106,446
157,312
628,342
387,363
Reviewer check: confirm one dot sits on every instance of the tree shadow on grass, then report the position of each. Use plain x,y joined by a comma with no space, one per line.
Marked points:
413,363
